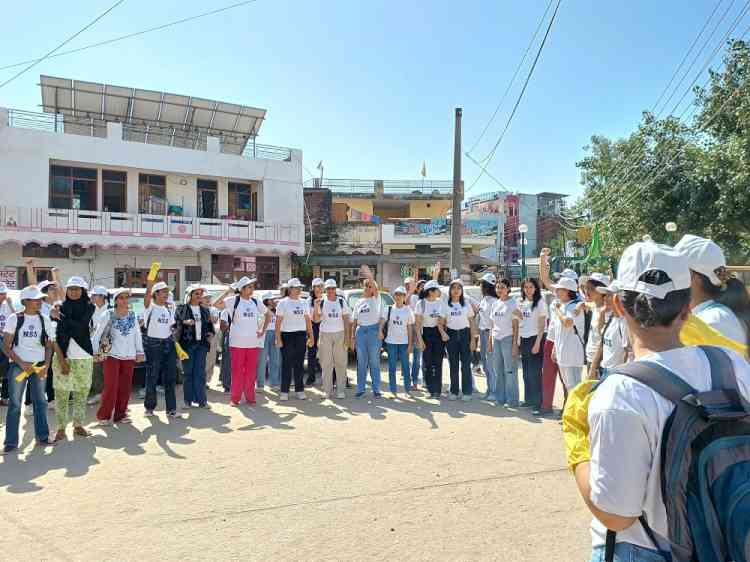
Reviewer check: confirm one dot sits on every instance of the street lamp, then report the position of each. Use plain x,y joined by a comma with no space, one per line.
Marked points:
523,229
671,228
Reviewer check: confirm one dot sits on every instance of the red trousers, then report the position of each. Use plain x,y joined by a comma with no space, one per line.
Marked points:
118,379
244,367
549,376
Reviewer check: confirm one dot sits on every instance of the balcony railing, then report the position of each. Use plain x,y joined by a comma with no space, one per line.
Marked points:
98,223
394,187
142,133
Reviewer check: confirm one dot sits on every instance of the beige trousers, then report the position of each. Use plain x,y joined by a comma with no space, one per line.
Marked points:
332,354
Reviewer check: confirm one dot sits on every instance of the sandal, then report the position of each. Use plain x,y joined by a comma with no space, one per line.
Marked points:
46,443
59,436
104,423
81,432
125,420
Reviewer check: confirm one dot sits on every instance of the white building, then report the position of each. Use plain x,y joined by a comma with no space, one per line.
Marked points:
109,179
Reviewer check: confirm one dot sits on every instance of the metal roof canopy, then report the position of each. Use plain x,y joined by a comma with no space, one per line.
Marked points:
151,117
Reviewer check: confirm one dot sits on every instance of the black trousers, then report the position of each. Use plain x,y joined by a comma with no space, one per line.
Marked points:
313,365
293,360
532,372
432,360
4,394
459,352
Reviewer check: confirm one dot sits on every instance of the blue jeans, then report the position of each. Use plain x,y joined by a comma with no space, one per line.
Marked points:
416,358
487,363
270,356
368,357
626,552
161,360
38,399
194,373
398,352
506,387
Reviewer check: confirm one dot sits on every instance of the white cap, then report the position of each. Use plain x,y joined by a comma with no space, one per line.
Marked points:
317,281
293,283
267,296
704,256
566,283
160,286
31,293
330,284
100,290
76,281
431,284
600,278
408,280
610,289
3,288
489,278
643,257
117,292
192,288
243,282
569,273
456,282
399,290
44,284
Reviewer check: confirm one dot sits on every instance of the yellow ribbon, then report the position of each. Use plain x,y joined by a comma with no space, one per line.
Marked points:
154,271
35,370
181,353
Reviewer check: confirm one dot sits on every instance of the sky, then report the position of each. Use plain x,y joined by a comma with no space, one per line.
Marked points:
370,88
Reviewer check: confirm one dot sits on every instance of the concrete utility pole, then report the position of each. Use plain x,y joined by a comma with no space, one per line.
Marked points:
458,197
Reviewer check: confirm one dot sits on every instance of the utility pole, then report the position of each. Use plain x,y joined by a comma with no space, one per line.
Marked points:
458,197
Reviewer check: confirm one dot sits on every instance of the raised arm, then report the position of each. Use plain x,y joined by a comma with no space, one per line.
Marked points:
30,272
219,302
544,269
147,296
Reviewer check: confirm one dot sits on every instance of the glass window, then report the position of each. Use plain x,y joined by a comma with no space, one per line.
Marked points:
208,199
114,191
152,194
241,202
72,188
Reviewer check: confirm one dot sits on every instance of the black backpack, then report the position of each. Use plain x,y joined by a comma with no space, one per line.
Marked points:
21,319
234,310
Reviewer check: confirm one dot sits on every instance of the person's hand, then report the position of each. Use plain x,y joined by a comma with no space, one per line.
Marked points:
55,271
64,365
54,313
420,344
490,344
189,322
473,345
346,344
43,373
260,333
579,308
29,261
444,337
310,342
593,373
279,343
26,367
140,358
410,349
353,344
553,355
535,348
516,352
518,314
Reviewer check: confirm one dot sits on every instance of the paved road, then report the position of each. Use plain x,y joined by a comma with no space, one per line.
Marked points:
351,480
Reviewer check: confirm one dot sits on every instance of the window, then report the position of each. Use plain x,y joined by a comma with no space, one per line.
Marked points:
72,188
243,202
208,199
53,251
114,191
152,194
42,274
267,270
136,278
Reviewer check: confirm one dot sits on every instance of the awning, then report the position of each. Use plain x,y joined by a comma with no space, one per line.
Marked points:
343,261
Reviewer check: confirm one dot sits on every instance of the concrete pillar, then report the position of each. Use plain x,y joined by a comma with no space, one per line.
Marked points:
132,199
4,117
114,132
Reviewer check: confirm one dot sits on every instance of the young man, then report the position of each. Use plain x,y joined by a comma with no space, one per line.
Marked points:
158,343
332,314
621,482
28,344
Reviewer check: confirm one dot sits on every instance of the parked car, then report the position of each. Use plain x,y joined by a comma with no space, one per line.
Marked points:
353,296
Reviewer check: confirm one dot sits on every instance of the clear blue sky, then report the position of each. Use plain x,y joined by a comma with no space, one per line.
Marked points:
370,87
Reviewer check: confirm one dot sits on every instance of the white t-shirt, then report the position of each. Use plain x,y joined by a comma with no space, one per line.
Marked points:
569,351
160,320
413,302
626,420
30,346
553,322
367,311
125,336
246,321
722,319
431,312
458,316
615,344
332,315
502,318
5,312
198,324
529,324
398,324
101,314
272,323
293,313
595,334
485,312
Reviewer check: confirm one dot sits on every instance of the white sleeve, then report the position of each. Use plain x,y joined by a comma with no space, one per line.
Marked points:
444,309
10,324
138,343
384,313
50,327
410,317
280,309
419,309
95,341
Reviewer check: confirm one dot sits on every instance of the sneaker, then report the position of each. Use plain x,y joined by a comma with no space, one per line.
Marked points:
466,398
536,413
377,395
310,380
408,394
393,395
173,414
341,396
359,395
234,404
452,397
94,399
284,397
301,396
8,449
149,414
204,406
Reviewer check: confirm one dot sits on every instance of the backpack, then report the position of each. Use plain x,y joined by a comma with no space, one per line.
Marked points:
705,463
21,318
234,310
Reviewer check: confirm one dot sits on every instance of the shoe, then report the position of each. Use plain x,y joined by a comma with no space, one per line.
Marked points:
310,380
415,387
452,397
435,396
377,395
104,423
149,413
393,395
94,399
536,413
408,394
359,395
284,397
252,403
341,396
301,396
126,420
234,404
186,407
204,406
8,449
544,412
173,414
466,398
51,405
525,405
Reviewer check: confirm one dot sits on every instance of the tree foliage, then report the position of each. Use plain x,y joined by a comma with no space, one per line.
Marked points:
692,172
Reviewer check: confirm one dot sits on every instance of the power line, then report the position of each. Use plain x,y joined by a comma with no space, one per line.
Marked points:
491,155
513,79
61,45
135,34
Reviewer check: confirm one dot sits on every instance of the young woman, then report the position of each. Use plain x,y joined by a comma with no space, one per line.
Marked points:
366,336
489,298
412,299
504,346
313,365
270,355
247,320
6,309
532,316
458,326
332,314
569,352
614,348
431,336
118,344
293,332
74,358
396,327
194,331
100,300
158,344
717,298
595,301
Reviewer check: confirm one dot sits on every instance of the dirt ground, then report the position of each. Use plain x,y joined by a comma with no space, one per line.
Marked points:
405,479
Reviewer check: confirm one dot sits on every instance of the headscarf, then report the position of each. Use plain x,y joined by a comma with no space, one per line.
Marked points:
75,323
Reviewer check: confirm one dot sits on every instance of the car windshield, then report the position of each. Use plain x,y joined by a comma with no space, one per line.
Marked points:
355,296
135,302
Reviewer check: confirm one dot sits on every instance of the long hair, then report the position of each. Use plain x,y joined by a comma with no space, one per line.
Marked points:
461,299
488,289
537,296
733,295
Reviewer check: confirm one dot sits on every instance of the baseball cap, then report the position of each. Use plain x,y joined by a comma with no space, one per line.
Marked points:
569,273
317,281
243,282
117,292
3,288
456,281
600,278
267,296
610,289
294,283
31,293
44,284
100,290
704,256
330,284
160,286
643,257
76,281
399,290
566,283
408,280
489,278
431,284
